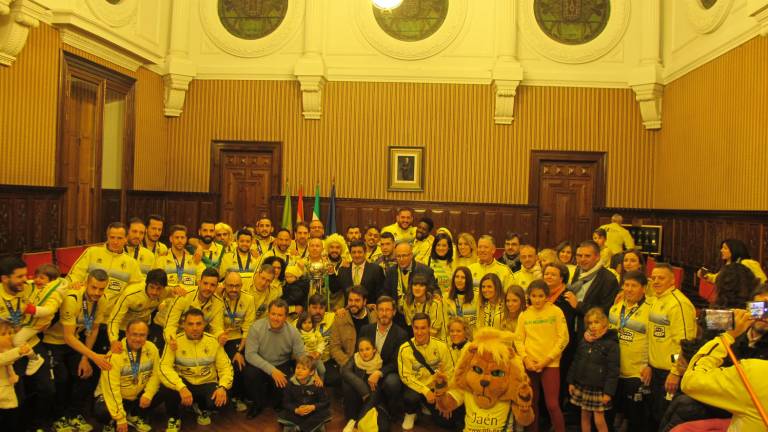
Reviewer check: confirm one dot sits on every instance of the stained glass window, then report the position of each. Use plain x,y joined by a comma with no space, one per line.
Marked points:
114,2
252,19
572,22
413,20
708,3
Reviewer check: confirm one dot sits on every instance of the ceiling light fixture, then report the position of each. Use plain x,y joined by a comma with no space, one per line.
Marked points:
387,4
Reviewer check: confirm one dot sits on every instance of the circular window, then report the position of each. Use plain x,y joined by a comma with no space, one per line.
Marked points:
252,19
413,20
707,4
572,22
114,2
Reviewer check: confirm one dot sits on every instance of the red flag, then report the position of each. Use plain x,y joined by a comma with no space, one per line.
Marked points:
300,206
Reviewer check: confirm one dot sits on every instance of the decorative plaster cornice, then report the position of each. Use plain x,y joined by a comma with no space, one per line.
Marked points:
16,19
115,15
75,37
708,20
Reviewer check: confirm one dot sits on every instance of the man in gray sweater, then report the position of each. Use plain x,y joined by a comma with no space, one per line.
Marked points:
271,348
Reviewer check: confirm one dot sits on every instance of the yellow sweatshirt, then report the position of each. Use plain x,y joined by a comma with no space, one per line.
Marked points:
617,238
122,269
186,273
400,234
71,314
433,309
632,327
542,333
261,300
213,313
119,383
503,272
245,266
414,374
524,276
196,362
751,264
422,249
238,315
672,318
709,383
134,303
143,257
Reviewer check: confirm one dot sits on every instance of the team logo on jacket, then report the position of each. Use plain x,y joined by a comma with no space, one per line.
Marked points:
659,332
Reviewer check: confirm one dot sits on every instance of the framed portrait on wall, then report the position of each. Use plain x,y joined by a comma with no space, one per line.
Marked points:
405,169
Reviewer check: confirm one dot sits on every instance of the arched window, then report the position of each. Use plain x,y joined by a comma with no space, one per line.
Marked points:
413,20
572,22
252,19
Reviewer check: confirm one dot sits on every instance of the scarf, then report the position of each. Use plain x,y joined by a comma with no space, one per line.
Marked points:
458,346
554,295
589,337
369,366
584,278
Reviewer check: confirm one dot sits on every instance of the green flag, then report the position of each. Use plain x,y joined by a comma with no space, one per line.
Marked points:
316,209
287,211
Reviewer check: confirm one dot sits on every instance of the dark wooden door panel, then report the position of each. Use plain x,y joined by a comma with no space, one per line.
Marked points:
245,186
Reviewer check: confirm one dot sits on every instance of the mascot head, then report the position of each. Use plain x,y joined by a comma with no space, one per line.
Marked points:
491,371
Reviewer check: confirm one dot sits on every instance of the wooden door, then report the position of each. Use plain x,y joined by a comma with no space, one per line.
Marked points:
245,186
567,186
81,150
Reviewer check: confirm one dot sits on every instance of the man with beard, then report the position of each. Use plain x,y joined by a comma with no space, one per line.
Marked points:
372,237
281,246
422,245
79,320
323,321
154,232
387,337
224,236
486,263
15,295
511,255
138,302
402,229
242,260
239,314
359,272
197,371
353,233
386,259
143,256
208,251
347,326
336,249
264,237
530,269
180,266
270,348
126,392
203,299
299,244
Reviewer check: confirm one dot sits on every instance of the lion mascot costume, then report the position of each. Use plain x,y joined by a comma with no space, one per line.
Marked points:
490,382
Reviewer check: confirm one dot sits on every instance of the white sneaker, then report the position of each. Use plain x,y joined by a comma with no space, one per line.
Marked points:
349,427
408,421
34,364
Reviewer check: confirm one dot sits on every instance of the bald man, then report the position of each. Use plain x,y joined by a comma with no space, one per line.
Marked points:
398,279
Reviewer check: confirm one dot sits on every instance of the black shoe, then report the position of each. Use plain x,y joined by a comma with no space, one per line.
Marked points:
254,411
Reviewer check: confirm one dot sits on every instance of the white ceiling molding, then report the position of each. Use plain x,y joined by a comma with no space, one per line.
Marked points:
85,41
708,20
618,21
758,9
115,15
16,19
226,41
414,50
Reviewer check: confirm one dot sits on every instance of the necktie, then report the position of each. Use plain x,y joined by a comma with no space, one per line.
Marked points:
357,275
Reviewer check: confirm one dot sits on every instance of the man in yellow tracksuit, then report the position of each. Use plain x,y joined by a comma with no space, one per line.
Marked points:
402,229
706,381
134,248
239,314
126,392
486,263
204,299
672,319
243,260
417,371
198,371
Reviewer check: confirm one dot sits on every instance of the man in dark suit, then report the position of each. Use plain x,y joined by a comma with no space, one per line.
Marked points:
398,279
387,337
360,272
593,285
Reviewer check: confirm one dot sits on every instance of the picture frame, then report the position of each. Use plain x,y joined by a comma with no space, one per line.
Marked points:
405,169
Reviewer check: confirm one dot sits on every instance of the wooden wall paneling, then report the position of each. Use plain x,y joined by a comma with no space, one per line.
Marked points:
30,218
110,203
367,216
348,216
455,220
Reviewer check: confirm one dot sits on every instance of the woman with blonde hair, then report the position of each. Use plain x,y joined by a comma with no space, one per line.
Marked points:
467,250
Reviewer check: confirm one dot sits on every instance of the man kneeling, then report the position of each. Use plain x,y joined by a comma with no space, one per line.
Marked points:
197,371
126,392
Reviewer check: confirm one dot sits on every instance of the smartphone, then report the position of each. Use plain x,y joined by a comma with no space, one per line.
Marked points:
756,309
718,319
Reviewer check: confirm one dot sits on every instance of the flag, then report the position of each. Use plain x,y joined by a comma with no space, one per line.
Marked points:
300,206
287,223
316,210
332,211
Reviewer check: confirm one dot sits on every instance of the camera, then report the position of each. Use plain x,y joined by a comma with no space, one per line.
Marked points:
718,319
756,309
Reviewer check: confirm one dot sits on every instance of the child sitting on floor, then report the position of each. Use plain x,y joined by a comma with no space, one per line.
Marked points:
306,407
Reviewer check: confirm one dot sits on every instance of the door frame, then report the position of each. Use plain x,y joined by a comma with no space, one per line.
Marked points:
540,156
275,148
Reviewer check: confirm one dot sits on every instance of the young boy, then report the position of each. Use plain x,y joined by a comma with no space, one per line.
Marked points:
306,407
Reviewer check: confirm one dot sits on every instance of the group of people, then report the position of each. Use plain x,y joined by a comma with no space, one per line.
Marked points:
263,318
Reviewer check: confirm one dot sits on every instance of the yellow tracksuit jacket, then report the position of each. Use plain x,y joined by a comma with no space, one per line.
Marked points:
672,318
120,384
196,361
414,374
